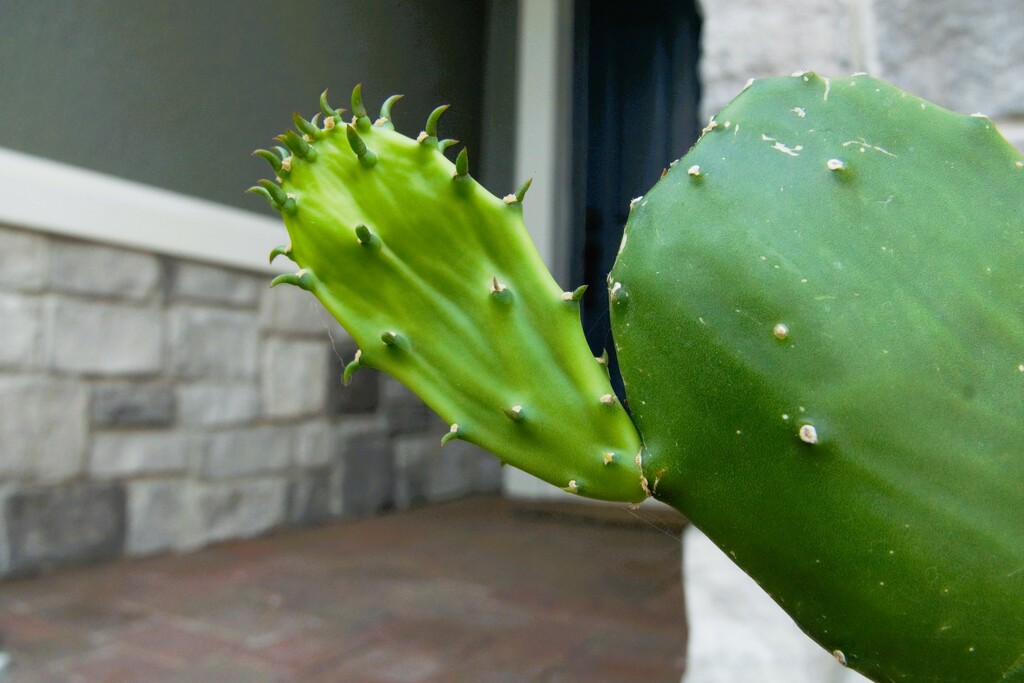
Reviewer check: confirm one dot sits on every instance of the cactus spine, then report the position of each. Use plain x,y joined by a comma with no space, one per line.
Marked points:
819,315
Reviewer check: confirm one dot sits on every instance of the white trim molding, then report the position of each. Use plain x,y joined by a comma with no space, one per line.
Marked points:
48,196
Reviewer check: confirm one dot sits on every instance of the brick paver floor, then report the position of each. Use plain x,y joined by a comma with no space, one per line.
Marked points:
482,590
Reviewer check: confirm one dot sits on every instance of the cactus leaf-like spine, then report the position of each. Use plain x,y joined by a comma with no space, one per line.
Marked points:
385,112
366,156
367,238
454,433
575,295
297,145
445,144
351,367
462,164
429,134
519,195
263,192
272,159
433,119
302,279
328,111
277,196
280,250
307,128
362,119
521,192
394,340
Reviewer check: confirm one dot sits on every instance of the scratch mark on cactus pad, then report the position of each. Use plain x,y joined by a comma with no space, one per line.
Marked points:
785,149
864,144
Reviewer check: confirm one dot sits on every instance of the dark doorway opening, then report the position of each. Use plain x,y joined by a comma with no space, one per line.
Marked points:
635,110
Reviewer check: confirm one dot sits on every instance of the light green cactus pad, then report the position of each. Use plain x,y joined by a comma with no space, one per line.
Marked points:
438,282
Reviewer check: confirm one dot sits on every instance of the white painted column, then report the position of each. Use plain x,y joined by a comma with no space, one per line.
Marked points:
544,152
738,633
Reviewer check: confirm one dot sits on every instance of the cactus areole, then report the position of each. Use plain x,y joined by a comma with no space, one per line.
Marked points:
819,316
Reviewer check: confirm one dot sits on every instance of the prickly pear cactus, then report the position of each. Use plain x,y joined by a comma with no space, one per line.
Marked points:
819,315
835,276
438,282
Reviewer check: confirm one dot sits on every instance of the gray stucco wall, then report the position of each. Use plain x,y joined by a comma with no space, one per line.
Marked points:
178,93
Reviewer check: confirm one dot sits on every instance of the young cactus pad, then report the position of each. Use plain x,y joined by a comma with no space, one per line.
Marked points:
819,315
835,276
440,285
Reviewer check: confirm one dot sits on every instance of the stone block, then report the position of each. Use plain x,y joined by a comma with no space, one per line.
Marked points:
364,470
290,310
218,403
103,338
21,331
24,260
72,523
93,269
405,412
156,512
309,498
425,471
980,66
451,470
413,455
488,470
43,428
316,444
362,395
746,39
221,511
248,451
132,404
127,454
215,285
294,376
210,343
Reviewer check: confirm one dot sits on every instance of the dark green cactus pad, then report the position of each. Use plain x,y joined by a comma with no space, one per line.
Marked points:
835,277
439,283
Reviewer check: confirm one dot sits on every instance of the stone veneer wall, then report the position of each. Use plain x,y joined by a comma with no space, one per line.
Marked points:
964,55
149,403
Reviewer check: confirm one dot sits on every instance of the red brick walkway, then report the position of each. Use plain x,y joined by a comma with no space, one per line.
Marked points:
479,590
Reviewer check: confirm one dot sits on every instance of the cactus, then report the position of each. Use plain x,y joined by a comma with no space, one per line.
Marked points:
439,284
819,316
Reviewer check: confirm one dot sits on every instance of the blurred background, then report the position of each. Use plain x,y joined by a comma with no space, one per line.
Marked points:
157,399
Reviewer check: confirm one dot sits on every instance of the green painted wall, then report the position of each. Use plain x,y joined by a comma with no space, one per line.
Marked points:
178,93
